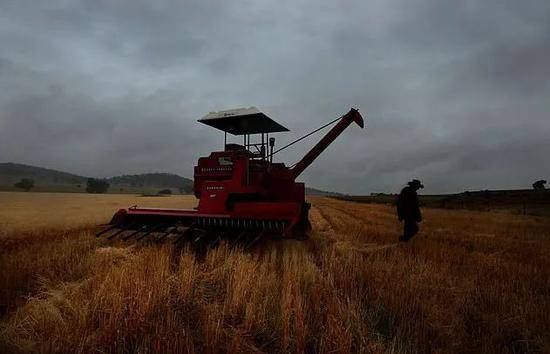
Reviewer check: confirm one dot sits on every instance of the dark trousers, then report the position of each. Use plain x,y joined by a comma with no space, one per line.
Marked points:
409,229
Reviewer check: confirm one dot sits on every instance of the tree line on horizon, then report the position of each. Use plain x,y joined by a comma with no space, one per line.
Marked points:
101,185
93,186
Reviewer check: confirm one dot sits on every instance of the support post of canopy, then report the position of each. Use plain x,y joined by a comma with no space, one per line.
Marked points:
262,149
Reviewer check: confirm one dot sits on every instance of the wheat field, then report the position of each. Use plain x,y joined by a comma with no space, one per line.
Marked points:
469,282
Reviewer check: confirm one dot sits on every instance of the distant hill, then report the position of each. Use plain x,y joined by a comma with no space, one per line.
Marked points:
521,201
154,181
322,193
11,173
48,180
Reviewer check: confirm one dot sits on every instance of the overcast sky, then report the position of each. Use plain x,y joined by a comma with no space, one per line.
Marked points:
455,93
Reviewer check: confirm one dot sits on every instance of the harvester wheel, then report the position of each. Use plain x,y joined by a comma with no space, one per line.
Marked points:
302,229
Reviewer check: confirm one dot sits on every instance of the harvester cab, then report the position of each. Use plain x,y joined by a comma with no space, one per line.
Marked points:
243,195
239,172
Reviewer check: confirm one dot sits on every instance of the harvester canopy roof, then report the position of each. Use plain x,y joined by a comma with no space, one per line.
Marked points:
242,121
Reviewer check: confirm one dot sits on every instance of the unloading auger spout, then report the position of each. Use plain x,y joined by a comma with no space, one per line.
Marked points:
350,117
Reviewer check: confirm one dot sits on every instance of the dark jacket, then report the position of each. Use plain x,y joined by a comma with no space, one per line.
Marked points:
407,205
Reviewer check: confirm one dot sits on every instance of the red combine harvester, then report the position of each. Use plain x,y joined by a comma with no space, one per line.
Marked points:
243,195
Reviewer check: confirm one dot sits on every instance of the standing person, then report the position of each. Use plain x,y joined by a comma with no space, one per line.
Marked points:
408,209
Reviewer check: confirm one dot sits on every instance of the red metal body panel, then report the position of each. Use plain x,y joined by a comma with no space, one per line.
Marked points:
253,210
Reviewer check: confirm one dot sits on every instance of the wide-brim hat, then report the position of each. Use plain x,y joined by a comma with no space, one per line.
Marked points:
416,183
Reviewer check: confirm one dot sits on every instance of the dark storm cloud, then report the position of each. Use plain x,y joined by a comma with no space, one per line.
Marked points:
455,93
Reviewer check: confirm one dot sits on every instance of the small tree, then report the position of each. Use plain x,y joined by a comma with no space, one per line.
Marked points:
25,183
539,184
97,185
